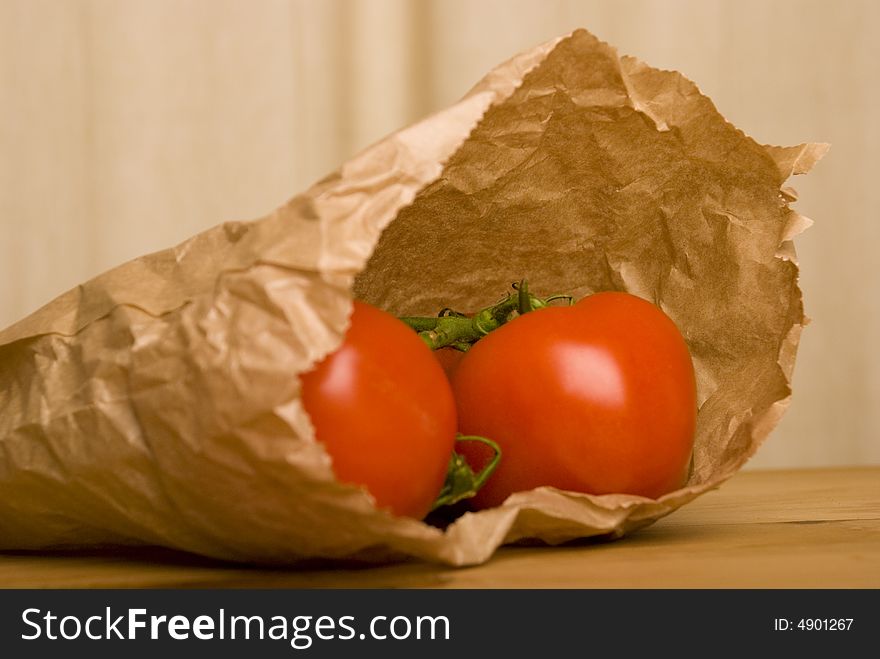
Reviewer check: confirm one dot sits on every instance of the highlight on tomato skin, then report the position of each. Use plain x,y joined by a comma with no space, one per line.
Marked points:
598,397
383,408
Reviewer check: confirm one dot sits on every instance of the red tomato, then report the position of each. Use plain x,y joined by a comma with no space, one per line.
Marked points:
449,359
383,408
599,397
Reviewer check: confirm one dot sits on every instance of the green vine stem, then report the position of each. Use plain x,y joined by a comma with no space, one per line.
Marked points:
451,328
461,481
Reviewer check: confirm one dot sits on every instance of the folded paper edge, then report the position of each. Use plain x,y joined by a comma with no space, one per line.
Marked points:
799,159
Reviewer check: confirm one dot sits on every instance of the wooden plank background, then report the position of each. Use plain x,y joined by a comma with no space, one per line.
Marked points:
125,127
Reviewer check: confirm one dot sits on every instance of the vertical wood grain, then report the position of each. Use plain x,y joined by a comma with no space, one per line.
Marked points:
127,126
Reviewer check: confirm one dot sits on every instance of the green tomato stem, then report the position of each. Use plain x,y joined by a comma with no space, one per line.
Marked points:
461,481
490,467
420,324
451,328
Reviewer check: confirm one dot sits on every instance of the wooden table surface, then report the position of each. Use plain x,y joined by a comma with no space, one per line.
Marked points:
816,528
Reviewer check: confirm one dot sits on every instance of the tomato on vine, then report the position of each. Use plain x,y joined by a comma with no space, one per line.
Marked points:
597,397
384,410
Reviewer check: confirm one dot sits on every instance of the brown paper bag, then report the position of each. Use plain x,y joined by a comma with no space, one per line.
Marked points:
159,403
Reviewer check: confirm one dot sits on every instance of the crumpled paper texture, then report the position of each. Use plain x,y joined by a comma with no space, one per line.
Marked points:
159,402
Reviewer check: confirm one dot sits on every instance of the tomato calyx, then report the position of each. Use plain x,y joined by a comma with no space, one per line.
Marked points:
458,330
